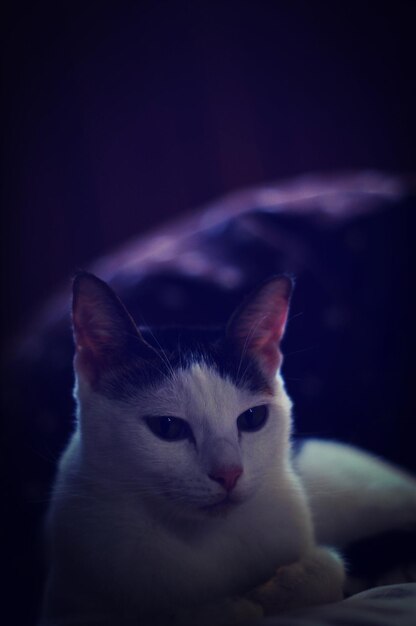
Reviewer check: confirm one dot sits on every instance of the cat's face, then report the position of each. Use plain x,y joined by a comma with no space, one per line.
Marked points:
194,421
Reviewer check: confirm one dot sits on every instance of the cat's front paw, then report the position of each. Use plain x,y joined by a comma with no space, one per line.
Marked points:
316,579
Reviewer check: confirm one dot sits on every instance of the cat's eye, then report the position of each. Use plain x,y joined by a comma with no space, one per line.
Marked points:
253,419
169,428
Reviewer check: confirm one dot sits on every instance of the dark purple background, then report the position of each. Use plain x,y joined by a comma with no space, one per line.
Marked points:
118,115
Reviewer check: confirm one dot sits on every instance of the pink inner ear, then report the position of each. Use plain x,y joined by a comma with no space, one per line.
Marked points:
102,326
270,359
258,325
88,346
85,331
86,364
86,342
96,332
264,344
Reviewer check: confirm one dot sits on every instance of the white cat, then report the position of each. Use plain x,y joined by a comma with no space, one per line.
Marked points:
176,500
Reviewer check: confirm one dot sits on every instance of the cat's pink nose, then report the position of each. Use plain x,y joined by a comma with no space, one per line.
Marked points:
227,476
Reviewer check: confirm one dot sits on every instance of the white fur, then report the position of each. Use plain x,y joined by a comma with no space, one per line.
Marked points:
353,494
128,529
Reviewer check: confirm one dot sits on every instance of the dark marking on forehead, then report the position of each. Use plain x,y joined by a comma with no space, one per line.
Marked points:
181,348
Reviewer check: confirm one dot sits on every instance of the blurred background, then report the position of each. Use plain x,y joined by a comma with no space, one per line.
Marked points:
118,116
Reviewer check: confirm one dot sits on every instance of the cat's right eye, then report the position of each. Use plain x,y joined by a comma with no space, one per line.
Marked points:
169,428
252,420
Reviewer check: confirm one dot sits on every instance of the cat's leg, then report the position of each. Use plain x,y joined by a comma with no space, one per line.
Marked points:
318,578
353,494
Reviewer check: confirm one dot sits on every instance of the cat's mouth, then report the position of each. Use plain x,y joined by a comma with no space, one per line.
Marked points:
222,507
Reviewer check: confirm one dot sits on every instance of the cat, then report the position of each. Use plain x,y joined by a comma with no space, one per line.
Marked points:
177,499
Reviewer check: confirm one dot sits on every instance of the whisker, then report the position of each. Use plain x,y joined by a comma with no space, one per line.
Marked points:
292,317
163,356
301,350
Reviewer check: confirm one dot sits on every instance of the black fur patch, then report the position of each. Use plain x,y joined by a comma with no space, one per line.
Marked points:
180,348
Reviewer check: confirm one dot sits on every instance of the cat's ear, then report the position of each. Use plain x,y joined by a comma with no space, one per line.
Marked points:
258,325
104,332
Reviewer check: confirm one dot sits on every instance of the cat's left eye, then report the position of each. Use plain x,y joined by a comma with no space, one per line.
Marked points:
169,428
253,419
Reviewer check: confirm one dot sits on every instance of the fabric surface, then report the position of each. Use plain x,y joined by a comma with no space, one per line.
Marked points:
390,605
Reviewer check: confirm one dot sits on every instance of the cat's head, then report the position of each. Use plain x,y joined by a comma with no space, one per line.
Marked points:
195,420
